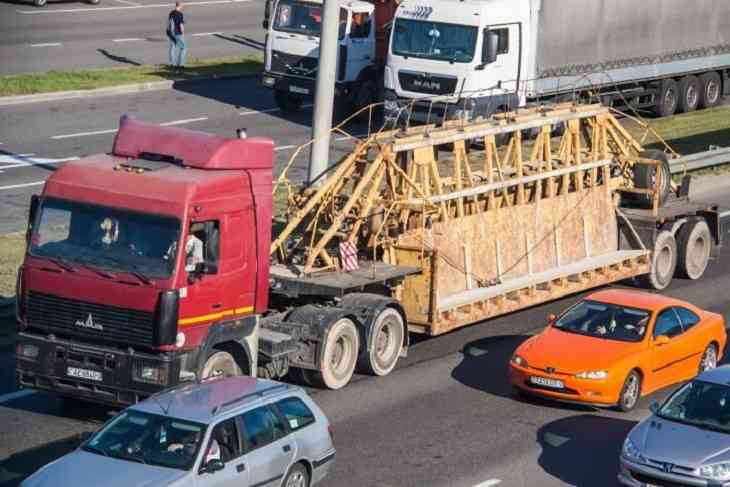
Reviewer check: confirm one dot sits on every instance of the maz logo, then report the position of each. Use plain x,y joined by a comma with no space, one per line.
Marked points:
89,323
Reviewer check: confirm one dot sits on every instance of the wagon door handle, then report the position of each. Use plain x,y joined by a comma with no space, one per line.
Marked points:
240,467
286,448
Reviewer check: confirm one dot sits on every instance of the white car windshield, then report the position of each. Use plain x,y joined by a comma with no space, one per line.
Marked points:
150,439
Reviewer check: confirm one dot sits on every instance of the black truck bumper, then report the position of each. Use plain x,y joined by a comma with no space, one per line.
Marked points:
99,374
299,86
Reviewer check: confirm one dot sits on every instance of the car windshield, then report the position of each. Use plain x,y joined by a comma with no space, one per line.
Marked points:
106,238
303,17
700,404
148,438
434,40
604,320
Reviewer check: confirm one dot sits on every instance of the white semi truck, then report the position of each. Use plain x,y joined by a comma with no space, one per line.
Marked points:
474,57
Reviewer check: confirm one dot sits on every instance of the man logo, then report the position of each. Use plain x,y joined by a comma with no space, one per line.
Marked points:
89,323
418,12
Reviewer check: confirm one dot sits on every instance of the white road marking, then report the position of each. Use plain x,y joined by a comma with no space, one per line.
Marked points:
129,39
127,2
24,185
16,395
46,44
489,483
205,34
285,147
254,112
25,160
106,9
84,134
182,122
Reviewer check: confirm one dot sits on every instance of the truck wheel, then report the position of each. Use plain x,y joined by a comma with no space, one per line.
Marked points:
667,98
339,358
663,261
694,244
366,95
644,176
220,364
93,2
710,89
388,331
287,102
689,94
40,3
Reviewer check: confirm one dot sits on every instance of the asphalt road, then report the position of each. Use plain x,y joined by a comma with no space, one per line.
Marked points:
74,35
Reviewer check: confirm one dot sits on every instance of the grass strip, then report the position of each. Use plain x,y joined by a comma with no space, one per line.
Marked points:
87,79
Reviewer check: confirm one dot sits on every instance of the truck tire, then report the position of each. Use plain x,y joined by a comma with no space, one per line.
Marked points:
339,358
694,244
220,363
689,94
644,176
710,90
387,343
367,94
287,102
663,261
93,2
667,98
40,3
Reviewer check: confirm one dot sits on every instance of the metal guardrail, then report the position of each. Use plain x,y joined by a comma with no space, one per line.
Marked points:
702,160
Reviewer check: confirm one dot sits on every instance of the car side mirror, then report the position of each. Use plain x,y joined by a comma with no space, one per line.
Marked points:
489,47
654,408
551,318
661,340
212,466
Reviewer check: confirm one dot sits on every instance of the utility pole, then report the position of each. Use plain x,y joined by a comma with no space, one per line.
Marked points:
325,90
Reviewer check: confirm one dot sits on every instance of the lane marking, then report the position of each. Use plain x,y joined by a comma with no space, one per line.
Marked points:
16,395
25,185
285,147
205,34
129,7
489,483
254,112
127,2
46,44
129,39
182,122
84,134
24,160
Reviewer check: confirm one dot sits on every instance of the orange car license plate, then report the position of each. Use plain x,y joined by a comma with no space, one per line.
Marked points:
551,383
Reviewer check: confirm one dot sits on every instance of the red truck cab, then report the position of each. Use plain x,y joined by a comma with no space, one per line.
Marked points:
144,263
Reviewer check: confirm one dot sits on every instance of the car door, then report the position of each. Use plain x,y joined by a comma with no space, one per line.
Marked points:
224,444
668,359
696,339
269,448
505,70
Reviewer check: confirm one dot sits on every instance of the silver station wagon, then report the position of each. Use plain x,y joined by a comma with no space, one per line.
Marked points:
236,431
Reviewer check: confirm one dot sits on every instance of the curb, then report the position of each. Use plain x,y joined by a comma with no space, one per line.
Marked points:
112,90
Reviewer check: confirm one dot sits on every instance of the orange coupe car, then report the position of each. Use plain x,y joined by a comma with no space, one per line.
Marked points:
617,345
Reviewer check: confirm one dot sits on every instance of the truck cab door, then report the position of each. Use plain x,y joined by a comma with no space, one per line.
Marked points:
359,43
504,72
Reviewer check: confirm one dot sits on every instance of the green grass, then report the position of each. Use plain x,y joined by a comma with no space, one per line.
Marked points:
26,84
12,247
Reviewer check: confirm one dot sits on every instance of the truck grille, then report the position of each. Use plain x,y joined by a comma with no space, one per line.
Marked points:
284,63
427,83
118,326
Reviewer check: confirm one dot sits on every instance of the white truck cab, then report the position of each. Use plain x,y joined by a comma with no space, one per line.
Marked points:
292,52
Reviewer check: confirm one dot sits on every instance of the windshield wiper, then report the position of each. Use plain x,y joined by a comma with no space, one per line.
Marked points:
90,266
139,274
94,449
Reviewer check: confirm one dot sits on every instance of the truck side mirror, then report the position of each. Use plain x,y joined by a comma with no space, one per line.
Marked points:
489,47
265,24
32,212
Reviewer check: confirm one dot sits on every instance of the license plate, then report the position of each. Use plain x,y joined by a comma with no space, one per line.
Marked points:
552,383
83,373
296,89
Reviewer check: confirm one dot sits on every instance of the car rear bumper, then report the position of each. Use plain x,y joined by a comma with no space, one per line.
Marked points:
116,382
590,392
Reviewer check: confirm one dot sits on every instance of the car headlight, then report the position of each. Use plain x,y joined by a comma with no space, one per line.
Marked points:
593,375
517,360
717,471
630,451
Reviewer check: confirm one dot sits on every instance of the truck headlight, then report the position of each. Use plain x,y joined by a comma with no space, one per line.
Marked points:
593,375
27,350
717,471
631,452
151,374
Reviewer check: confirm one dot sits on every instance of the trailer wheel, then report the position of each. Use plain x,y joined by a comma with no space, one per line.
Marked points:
644,176
339,358
689,94
287,102
663,261
220,364
694,244
710,89
387,343
667,98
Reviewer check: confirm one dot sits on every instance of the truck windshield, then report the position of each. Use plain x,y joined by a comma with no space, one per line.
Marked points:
153,439
434,40
304,18
106,238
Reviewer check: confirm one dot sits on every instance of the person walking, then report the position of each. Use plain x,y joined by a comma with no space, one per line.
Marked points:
176,34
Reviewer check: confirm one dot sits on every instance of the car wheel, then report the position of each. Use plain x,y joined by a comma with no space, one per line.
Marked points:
709,359
630,392
297,477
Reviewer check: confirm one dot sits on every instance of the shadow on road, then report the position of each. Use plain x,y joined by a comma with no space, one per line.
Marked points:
20,465
583,450
242,40
118,59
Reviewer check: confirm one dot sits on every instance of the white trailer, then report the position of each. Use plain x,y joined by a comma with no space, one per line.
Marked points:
474,57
